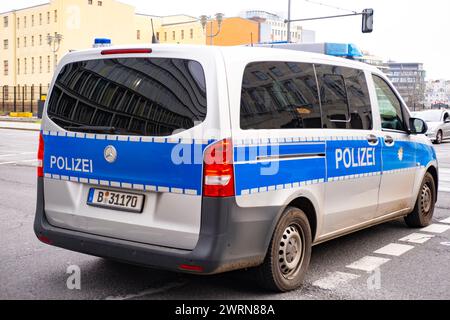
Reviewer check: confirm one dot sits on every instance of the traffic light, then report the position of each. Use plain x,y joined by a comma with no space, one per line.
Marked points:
367,21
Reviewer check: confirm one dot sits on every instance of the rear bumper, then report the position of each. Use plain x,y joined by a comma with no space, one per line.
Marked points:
230,238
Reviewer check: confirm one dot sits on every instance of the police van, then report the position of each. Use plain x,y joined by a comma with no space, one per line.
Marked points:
204,159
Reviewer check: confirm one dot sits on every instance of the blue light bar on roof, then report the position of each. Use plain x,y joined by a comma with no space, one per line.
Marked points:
347,50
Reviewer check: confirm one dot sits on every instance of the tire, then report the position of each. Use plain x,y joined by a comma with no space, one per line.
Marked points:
289,253
439,137
422,214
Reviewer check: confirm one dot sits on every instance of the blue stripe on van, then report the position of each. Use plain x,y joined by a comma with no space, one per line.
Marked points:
139,165
254,176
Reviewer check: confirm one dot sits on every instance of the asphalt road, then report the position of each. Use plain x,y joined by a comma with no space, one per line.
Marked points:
32,270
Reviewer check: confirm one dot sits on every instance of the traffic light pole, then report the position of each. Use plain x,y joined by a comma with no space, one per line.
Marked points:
367,19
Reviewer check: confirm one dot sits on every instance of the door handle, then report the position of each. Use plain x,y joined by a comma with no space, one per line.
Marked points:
389,140
372,139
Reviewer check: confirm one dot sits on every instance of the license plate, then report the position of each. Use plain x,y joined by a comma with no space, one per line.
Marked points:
116,200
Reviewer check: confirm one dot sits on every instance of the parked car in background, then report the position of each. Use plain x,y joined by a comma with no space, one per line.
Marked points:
438,122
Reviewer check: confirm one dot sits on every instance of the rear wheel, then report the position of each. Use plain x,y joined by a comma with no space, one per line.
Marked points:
289,253
424,208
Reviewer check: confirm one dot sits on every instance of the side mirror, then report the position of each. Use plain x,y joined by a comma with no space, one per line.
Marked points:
417,126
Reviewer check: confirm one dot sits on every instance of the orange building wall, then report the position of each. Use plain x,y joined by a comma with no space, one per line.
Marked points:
235,31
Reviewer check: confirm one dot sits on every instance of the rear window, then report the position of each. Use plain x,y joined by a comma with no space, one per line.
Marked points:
130,96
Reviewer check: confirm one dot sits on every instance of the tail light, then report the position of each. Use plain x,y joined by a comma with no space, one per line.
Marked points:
218,171
40,156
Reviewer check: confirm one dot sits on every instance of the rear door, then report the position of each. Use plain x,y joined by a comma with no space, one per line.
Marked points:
446,120
123,138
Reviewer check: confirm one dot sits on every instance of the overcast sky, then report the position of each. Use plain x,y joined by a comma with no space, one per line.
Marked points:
405,30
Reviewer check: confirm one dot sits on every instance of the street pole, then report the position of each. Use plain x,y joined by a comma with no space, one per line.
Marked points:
289,22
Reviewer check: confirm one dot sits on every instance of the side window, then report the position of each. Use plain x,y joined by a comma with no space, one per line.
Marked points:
389,105
345,98
279,95
333,95
446,116
358,99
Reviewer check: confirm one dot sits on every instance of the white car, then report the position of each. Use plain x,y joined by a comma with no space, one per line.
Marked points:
438,122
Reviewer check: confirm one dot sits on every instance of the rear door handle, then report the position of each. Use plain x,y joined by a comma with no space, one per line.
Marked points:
372,139
389,140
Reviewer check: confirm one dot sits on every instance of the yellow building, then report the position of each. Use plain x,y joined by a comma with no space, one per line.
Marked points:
26,58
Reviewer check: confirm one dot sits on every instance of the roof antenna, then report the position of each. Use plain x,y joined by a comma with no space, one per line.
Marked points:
154,40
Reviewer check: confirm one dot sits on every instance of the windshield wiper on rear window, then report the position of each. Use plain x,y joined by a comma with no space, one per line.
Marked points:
95,129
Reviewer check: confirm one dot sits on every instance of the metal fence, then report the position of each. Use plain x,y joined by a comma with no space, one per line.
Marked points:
21,98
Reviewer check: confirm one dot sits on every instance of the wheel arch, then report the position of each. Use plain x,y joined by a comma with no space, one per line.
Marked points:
434,172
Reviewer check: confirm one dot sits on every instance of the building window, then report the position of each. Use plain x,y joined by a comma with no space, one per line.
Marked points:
40,39
5,44
90,2
48,64
5,67
32,41
182,34
32,65
32,20
40,64
173,35
100,3
40,19
5,22
165,36
18,66
192,33
48,17
138,34
25,65
56,16
24,22
18,23
18,42
24,42
157,36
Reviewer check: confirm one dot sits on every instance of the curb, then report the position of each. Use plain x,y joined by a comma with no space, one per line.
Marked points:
20,129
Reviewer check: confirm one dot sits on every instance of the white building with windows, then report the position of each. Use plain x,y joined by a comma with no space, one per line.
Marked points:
437,92
277,28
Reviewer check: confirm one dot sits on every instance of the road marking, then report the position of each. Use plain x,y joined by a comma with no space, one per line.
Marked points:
19,161
447,244
334,280
368,263
394,249
418,238
436,228
148,292
446,221
16,154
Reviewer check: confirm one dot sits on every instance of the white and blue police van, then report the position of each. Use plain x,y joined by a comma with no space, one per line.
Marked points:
204,159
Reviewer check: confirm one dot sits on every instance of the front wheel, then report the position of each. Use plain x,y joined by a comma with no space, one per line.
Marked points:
288,257
439,137
424,209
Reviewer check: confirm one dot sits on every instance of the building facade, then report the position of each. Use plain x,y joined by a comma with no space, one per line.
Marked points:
277,26
233,31
28,60
437,93
409,79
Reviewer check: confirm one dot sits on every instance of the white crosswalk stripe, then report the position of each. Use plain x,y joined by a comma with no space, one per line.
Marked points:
444,180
